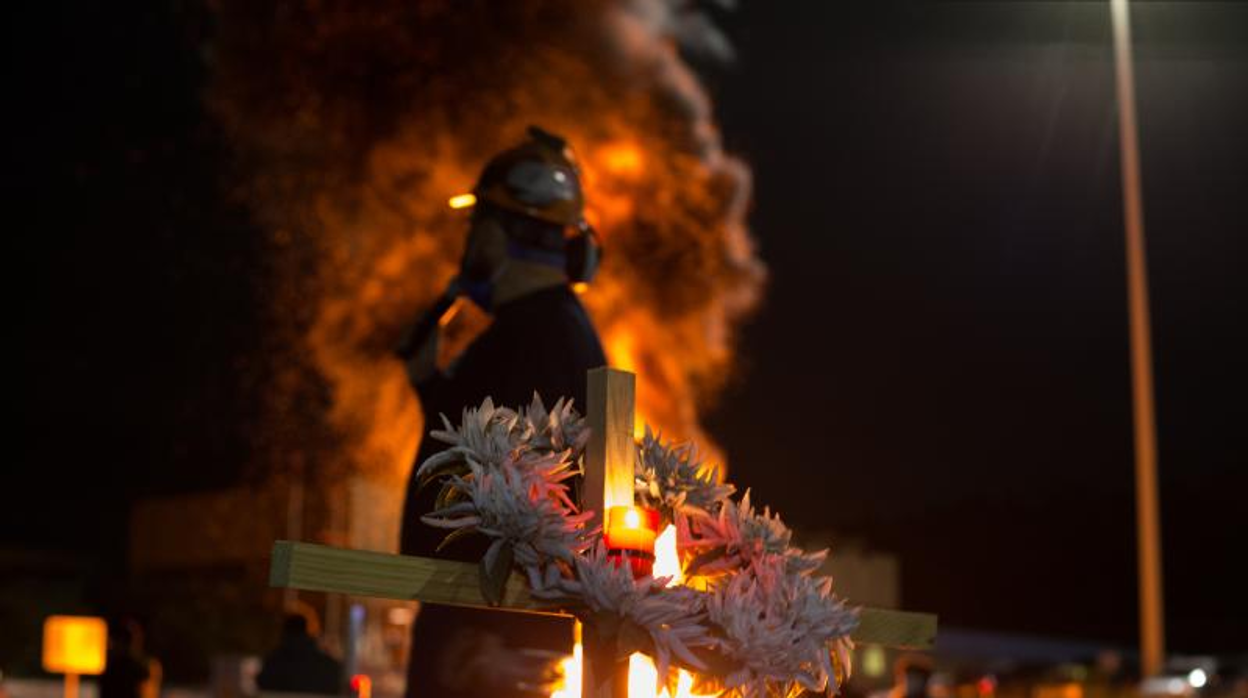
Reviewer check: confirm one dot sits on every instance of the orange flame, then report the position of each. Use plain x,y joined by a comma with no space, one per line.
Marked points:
643,675
623,160
352,178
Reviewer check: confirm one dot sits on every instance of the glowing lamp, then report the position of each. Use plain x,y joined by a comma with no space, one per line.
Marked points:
462,201
874,663
74,644
629,535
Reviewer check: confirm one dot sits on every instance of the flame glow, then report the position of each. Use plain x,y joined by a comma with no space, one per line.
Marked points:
355,126
643,676
462,201
356,129
666,557
570,670
632,519
624,160
642,673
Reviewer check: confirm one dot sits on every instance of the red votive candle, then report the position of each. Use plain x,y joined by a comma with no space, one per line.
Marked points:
629,535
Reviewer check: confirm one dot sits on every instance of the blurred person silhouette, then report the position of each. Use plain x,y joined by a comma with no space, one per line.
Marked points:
298,664
912,676
128,671
1108,677
528,244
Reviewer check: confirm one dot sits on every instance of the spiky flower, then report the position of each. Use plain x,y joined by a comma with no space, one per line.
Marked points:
671,618
560,429
766,627
739,537
490,435
671,478
779,631
486,436
523,504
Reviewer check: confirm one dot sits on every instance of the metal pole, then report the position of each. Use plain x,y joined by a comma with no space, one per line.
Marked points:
1148,526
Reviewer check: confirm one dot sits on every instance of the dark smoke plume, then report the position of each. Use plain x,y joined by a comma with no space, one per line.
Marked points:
354,122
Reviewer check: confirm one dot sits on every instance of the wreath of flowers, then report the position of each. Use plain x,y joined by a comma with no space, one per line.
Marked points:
762,623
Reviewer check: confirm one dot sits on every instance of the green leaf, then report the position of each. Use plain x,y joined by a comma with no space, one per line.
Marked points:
705,558
449,466
495,570
446,496
454,536
719,664
460,510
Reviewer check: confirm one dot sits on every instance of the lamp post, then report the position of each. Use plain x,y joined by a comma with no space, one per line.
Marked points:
1148,526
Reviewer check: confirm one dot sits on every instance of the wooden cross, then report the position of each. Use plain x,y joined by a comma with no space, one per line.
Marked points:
608,482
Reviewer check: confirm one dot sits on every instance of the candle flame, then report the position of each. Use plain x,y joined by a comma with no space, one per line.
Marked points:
632,519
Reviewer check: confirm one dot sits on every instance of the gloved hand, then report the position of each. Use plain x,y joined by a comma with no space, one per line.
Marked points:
419,348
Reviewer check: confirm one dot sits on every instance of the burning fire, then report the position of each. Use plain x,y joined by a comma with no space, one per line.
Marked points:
643,676
667,557
570,669
355,126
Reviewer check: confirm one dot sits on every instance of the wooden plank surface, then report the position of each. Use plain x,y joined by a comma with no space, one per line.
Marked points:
609,454
900,629
314,567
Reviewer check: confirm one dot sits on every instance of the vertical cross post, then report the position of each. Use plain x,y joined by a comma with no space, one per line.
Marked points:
609,454
608,482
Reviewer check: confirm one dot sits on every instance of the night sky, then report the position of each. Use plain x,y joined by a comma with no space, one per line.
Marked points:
939,367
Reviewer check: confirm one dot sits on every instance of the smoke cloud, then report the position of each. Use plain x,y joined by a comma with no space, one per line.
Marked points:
353,123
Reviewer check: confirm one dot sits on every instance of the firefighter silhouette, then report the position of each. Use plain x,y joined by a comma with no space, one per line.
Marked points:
527,245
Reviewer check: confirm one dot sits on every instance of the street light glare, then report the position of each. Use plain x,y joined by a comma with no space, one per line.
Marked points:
1197,678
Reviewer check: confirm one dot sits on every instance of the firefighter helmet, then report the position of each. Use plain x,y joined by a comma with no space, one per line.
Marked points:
538,178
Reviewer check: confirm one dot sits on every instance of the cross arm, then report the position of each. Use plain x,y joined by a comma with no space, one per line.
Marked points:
899,629
312,567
